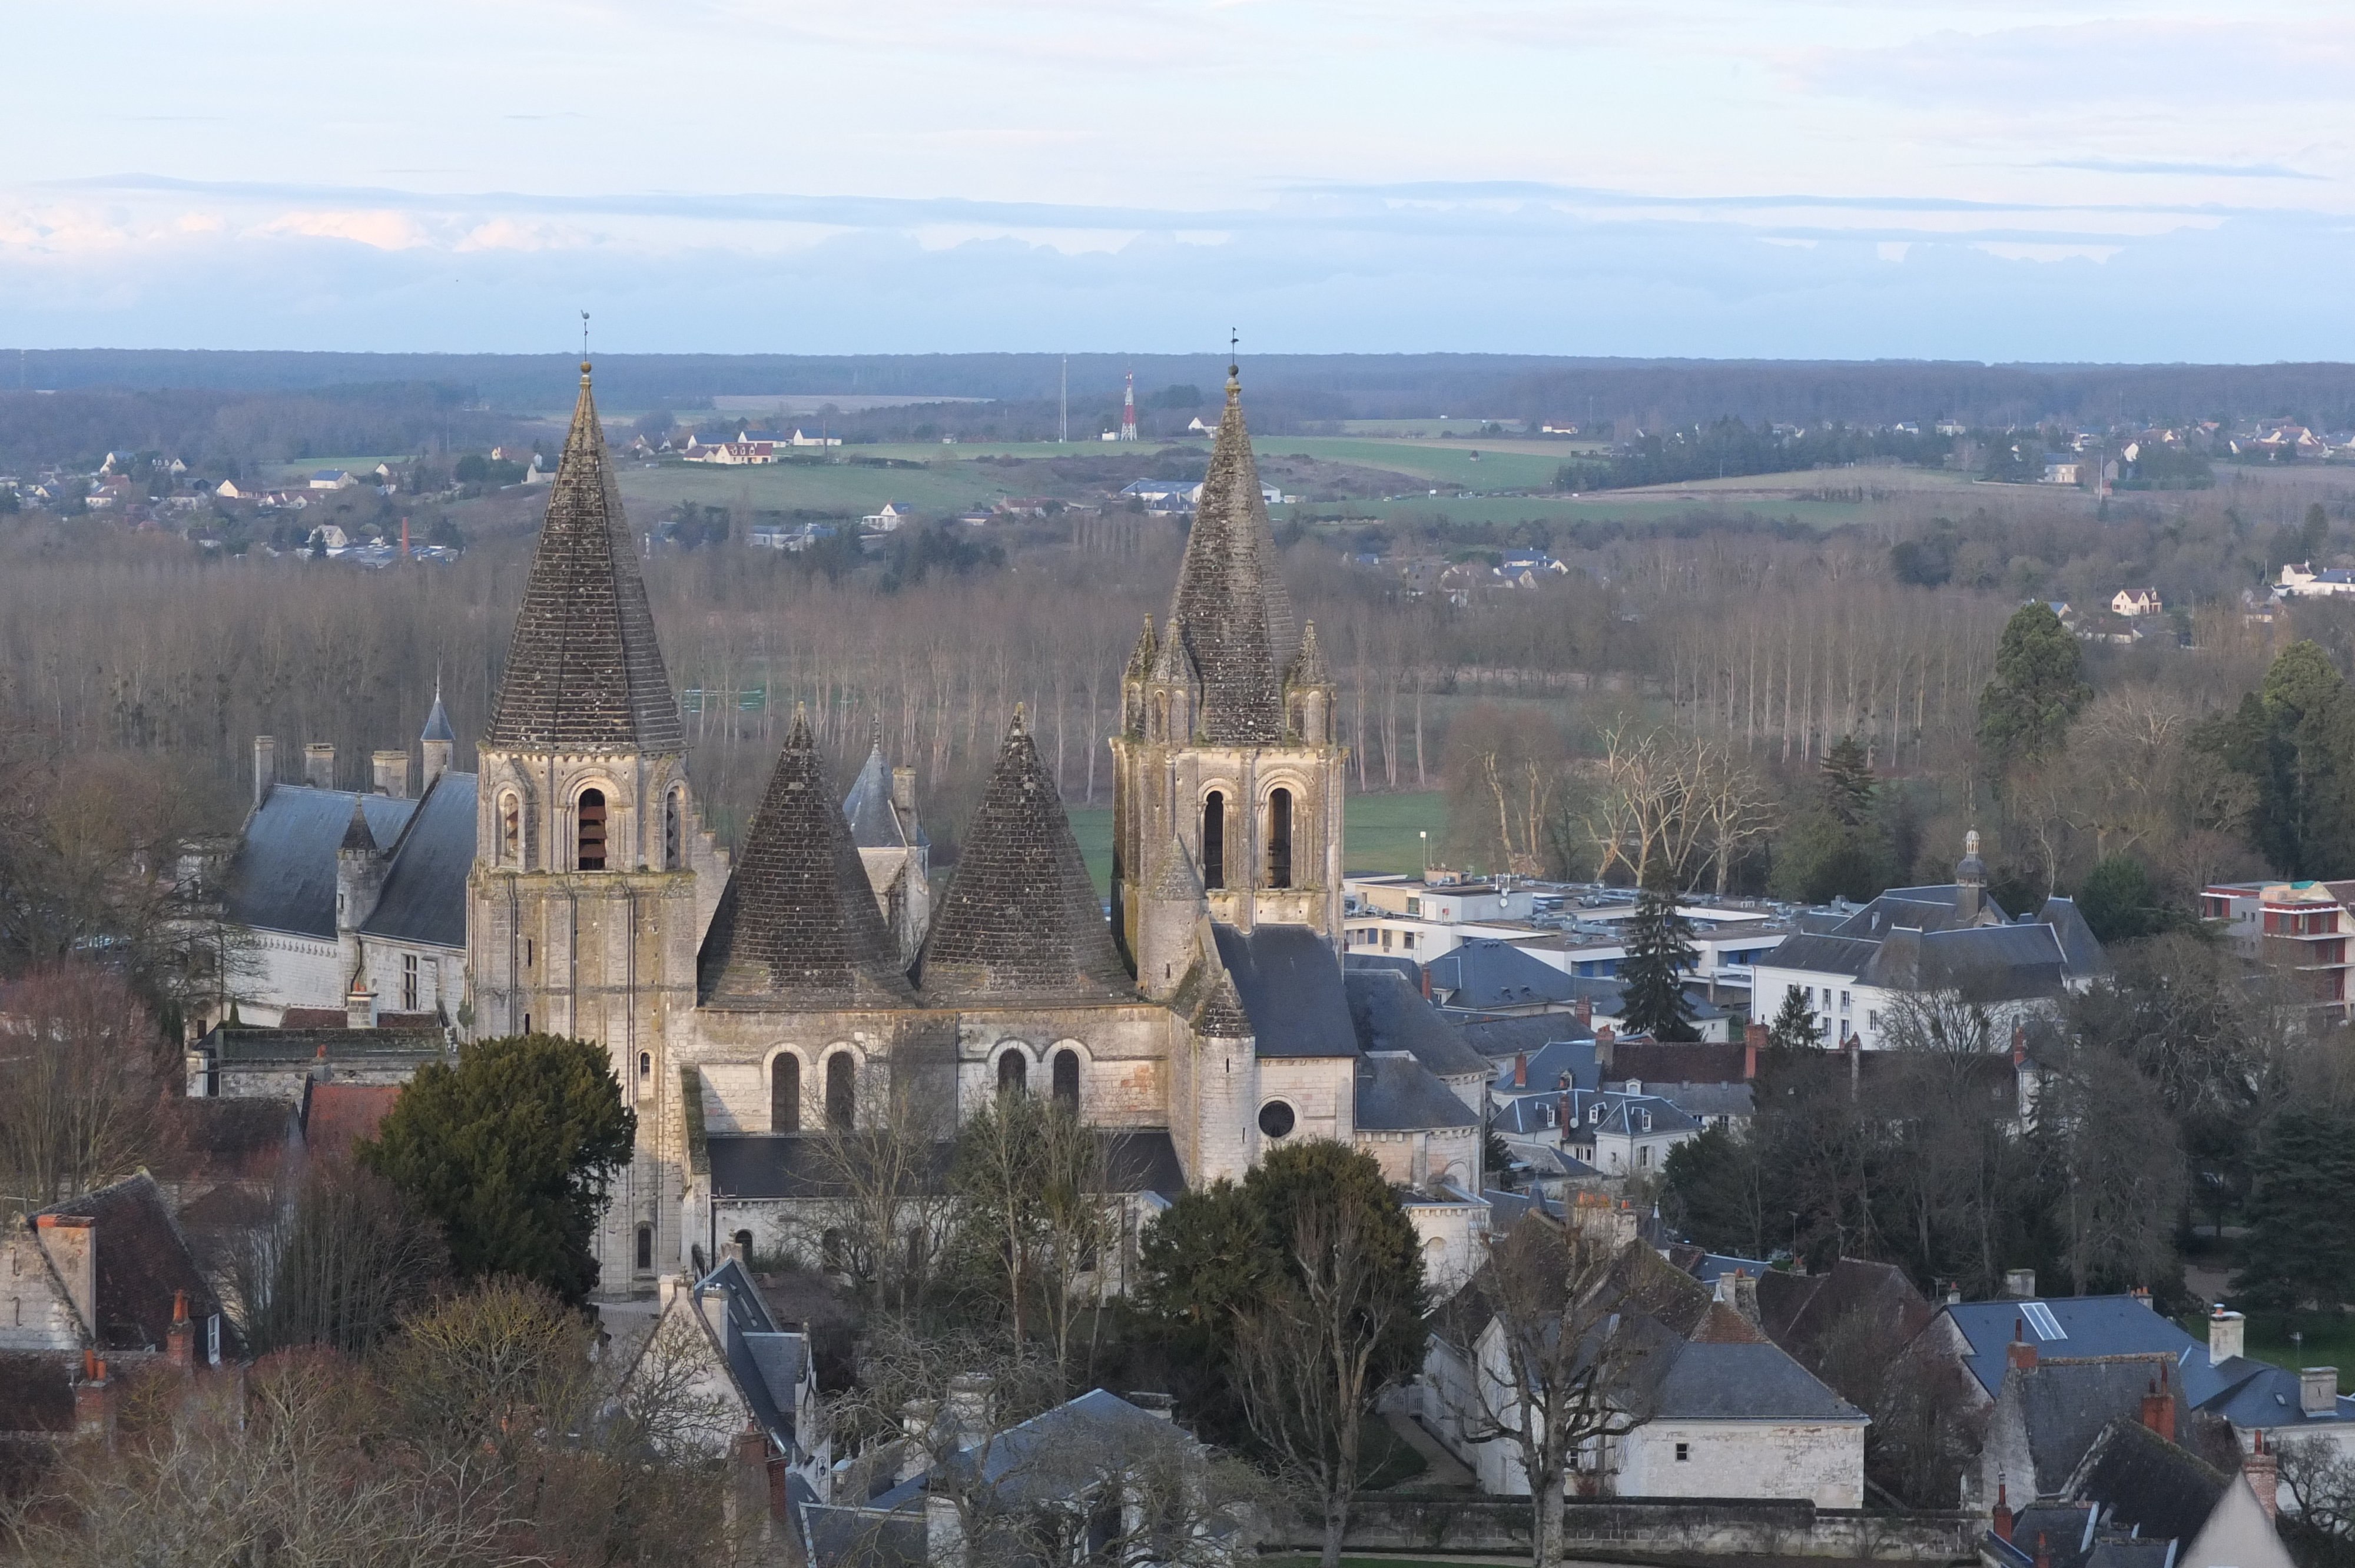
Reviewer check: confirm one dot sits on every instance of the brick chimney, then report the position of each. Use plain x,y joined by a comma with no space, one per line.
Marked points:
94,1401
180,1338
319,764
1754,1035
2018,1044
748,1468
71,1243
2002,1524
2043,1552
1604,1039
2020,1353
1586,1013
2263,1473
1520,1069
265,767
2159,1406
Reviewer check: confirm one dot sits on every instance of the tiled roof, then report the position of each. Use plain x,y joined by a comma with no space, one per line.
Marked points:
1230,610
1389,1014
223,1140
336,1115
798,919
1020,915
1398,1094
2085,1325
584,673
143,1260
1290,983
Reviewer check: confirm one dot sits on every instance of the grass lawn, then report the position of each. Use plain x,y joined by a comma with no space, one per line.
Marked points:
2329,1340
845,488
1378,834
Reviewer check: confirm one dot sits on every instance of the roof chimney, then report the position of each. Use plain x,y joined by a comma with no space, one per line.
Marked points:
1754,1035
359,1006
1586,1013
94,1400
180,1338
1520,1069
903,795
2020,1284
71,1243
2020,1353
265,767
2263,1472
391,773
2159,1408
2317,1390
319,764
2002,1523
2225,1336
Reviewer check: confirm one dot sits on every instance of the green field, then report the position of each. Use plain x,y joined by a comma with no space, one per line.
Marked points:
2329,1340
845,488
1379,834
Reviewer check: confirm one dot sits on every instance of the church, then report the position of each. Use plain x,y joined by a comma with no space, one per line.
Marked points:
812,980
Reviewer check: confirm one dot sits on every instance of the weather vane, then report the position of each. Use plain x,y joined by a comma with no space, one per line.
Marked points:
584,335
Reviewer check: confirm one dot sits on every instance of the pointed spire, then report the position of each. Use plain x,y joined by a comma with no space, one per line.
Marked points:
798,920
437,722
1308,670
1020,917
357,840
868,808
1220,1014
1230,607
584,672
1171,878
1140,663
1172,664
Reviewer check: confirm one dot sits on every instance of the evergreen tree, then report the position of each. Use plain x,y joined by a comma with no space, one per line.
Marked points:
510,1150
2037,688
2296,740
1794,1028
2299,1247
1848,783
2117,901
1652,975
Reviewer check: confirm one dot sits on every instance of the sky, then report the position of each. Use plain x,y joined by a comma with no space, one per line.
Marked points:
2146,180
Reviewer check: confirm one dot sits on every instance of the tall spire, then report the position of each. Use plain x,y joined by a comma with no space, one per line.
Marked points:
1230,609
798,919
584,672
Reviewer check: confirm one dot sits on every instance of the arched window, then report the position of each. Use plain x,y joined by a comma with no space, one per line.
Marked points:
645,1249
842,1091
674,831
1013,1074
1214,840
785,1093
1067,1080
1160,716
832,1252
743,1240
1279,839
593,831
510,831
645,1066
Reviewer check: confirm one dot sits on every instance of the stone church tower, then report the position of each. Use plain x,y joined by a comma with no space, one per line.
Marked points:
593,878
1227,738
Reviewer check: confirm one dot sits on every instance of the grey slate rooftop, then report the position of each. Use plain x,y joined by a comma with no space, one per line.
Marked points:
1291,985
791,1165
1020,917
1397,1094
797,924
584,673
2085,1325
1390,1014
282,876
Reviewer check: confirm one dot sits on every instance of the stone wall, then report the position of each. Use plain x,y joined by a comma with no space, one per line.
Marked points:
1380,1522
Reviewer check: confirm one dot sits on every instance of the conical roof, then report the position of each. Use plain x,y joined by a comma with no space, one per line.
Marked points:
1220,1014
1020,917
437,722
797,924
1230,609
1170,876
357,840
1308,669
1140,662
584,673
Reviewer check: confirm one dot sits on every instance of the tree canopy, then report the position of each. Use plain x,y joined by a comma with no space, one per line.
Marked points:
2037,688
1652,975
510,1150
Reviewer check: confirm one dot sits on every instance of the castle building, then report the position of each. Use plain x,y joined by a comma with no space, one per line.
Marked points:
815,982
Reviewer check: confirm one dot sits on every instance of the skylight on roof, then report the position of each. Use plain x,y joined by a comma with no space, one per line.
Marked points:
2040,1318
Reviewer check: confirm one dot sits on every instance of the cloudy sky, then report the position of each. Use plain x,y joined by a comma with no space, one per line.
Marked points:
2066,179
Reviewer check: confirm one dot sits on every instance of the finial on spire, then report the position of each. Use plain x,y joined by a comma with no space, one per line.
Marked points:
1234,369
1019,713
584,343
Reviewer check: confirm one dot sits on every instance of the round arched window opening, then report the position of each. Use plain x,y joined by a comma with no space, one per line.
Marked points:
591,815
1276,1119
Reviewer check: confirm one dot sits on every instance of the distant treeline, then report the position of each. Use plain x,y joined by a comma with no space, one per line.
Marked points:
1659,394
223,433
1730,447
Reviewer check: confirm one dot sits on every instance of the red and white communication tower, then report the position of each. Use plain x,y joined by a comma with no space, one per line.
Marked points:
1128,410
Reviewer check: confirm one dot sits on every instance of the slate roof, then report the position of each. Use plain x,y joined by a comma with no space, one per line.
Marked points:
1498,1038
1799,1311
223,1140
874,819
2143,1482
797,921
1713,1381
788,1165
584,673
143,1260
282,876
423,896
1291,986
1651,1060
1020,917
1398,1094
2065,1402
2088,1325
1915,938
1230,610
1390,1014
764,1362
437,722
2251,1393
243,1046
1487,973
1545,1063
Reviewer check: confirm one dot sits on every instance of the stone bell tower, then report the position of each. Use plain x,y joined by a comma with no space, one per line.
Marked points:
588,898
1227,737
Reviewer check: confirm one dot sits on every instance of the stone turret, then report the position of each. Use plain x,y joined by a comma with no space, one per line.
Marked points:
1971,906
359,880
439,742
1169,916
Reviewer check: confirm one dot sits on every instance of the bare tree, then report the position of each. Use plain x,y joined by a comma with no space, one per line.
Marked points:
893,1217
341,1264
1559,1363
1305,1361
1031,1198
82,1069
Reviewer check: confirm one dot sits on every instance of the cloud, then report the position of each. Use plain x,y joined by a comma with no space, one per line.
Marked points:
378,229
2164,166
2062,69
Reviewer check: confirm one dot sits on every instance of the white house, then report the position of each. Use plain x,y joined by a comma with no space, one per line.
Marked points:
888,519
1913,941
2300,580
2134,602
332,478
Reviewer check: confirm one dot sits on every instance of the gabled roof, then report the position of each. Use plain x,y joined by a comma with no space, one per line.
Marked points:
142,1262
766,1363
1500,1038
1290,984
337,1116
1230,610
2141,1481
1546,1065
798,919
1487,973
1390,1014
2063,1403
223,1140
1802,1312
1020,917
423,896
584,673
282,875
1713,1380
